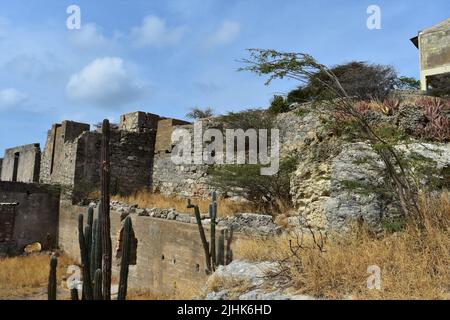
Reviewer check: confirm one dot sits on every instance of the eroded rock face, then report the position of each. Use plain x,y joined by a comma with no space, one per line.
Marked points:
355,174
346,187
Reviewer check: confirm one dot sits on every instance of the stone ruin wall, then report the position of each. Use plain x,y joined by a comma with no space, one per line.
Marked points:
140,157
21,164
169,253
28,213
72,155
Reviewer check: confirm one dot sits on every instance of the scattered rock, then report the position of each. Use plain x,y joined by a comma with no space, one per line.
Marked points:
183,217
34,247
172,215
251,223
221,295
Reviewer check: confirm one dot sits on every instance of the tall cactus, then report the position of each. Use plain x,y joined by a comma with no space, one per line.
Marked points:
90,217
125,260
213,215
98,285
51,289
84,255
202,235
209,248
105,221
95,258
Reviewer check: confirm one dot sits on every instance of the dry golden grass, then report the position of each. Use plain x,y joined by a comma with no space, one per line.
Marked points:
23,276
415,263
233,286
147,199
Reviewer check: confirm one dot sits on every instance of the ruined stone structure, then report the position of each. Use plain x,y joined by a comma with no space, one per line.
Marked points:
434,51
21,164
72,154
169,253
28,213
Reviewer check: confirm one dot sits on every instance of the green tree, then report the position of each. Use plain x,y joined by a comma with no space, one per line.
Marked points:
357,78
278,105
342,100
197,113
408,83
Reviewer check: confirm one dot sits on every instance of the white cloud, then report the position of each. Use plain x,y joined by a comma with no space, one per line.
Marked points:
88,37
227,33
11,97
154,33
105,82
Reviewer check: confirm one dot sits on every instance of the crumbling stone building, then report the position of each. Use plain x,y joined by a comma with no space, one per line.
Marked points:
434,51
72,154
21,163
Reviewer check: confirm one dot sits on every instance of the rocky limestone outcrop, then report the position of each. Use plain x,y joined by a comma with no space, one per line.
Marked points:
348,186
338,179
243,280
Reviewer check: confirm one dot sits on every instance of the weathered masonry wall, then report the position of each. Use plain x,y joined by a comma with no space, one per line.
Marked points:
131,156
58,158
7,215
138,122
169,253
35,217
21,163
188,180
71,157
434,46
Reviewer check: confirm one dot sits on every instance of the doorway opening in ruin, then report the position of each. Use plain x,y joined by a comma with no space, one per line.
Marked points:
15,166
7,219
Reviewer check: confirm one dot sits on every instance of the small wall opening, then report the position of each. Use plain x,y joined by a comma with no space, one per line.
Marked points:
15,166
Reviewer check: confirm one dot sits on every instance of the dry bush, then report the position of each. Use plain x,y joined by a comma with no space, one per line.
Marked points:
147,199
414,263
234,286
25,275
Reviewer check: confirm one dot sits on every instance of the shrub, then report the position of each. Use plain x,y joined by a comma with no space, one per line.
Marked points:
359,79
437,126
279,105
270,194
248,119
407,83
197,113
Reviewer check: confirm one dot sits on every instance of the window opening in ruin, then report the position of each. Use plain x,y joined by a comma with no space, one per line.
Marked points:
197,267
52,161
16,166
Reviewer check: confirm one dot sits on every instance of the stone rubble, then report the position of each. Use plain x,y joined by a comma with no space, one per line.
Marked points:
249,223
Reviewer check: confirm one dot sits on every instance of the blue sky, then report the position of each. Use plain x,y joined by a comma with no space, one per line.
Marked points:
165,57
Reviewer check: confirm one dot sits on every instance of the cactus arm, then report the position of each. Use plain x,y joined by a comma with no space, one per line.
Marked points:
98,285
87,285
125,260
51,290
202,235
106,228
